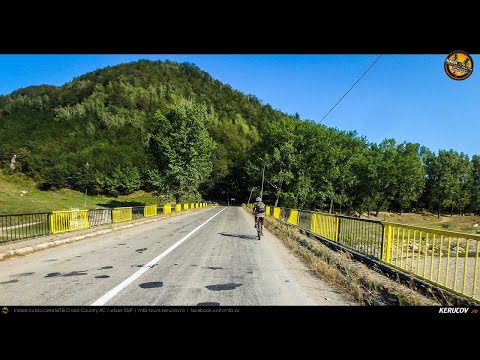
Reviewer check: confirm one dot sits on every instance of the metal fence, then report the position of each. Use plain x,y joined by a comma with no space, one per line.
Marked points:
63,221
325,225
122,214
98,217
447,259
21,226
137,212
362,235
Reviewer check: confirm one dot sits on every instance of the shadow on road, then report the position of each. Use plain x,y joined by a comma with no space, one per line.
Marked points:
246,237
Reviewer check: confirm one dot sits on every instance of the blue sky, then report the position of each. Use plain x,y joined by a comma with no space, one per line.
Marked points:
406,97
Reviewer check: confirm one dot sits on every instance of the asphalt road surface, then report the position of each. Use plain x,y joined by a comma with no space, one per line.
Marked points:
209,257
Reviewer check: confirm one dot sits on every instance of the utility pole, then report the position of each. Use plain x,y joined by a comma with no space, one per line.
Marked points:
263,178
250,195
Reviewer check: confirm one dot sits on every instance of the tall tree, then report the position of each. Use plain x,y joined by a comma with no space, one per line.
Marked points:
448,178
475,185
278,153
410,175
181,147
378,175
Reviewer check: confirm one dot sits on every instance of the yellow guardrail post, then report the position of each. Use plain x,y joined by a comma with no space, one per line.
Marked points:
388,245
167,209
276,212
185,206
150,210
267,210
337,228
63,221
122,214
178,207
293,217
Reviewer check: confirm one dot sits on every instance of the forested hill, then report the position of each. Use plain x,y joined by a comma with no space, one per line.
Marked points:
172,128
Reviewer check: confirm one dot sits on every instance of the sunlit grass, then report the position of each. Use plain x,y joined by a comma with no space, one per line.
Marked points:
19,194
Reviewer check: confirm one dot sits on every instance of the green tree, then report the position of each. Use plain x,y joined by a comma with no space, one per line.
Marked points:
278,153
410,175
378,176
475,185
181,147
448,176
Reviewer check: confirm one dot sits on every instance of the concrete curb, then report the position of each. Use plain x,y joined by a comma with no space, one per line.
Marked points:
54,243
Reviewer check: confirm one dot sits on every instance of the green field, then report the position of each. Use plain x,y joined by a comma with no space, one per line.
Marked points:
19,194
458,223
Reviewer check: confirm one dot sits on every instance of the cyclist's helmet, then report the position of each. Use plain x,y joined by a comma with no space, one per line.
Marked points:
259,199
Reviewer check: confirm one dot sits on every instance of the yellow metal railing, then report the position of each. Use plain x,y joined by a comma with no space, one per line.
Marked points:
178,207
446,258
276,212
325,225
121,214
150,210
63,221
267,210
185,206
192,206
167,209
293,217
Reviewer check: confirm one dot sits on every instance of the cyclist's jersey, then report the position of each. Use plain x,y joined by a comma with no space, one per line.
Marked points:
255,210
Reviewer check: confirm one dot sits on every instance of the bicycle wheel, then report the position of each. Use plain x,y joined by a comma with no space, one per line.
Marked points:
259,230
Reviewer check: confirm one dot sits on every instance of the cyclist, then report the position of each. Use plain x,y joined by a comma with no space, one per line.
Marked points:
259,211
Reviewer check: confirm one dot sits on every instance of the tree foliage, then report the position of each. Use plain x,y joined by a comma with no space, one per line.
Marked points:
173,129
181,148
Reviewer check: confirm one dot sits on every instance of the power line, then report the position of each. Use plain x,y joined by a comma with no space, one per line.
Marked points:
329,111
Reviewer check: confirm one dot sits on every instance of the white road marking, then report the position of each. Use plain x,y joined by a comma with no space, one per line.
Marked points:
109,295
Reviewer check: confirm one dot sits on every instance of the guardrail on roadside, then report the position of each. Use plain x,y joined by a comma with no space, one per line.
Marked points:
63,221
23,226
446,259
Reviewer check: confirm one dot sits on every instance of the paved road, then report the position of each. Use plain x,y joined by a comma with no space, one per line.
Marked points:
209,257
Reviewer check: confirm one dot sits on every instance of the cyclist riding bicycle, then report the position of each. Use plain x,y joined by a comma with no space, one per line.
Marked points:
259,211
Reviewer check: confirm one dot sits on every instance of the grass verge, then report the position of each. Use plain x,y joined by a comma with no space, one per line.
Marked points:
19,194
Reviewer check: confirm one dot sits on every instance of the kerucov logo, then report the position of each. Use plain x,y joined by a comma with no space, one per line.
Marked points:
449,310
